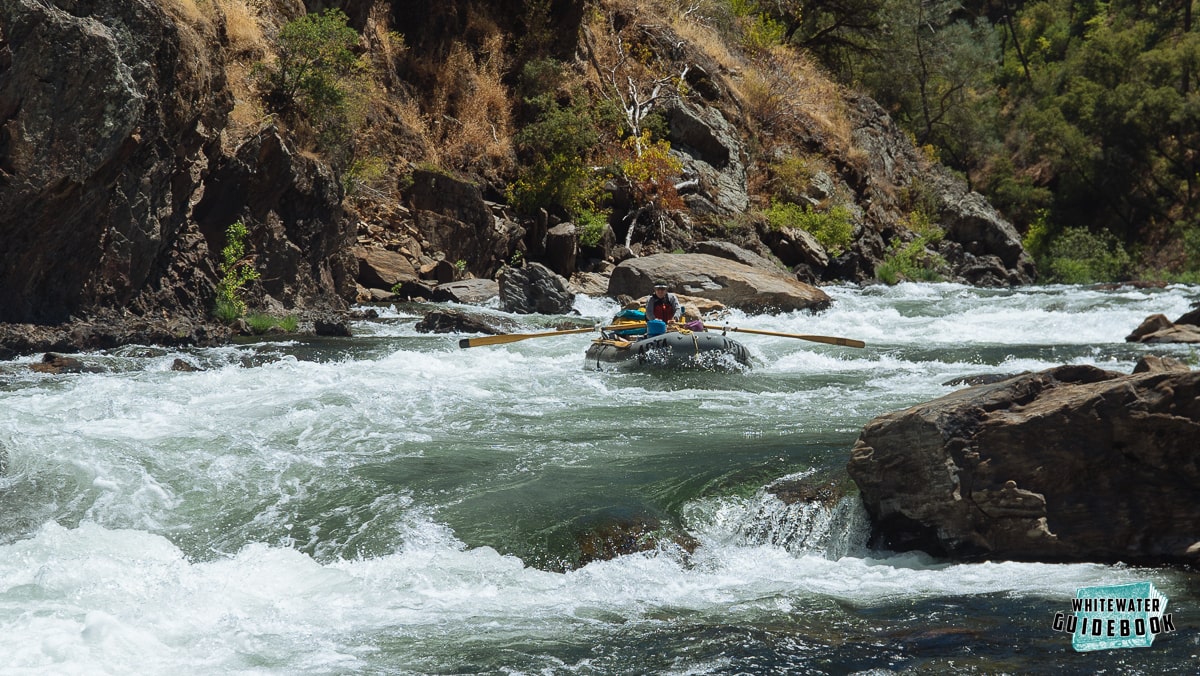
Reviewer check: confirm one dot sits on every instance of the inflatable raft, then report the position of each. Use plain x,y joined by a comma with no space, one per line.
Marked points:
684,349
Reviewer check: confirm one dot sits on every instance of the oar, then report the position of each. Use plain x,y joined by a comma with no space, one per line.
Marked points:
514,337
832,340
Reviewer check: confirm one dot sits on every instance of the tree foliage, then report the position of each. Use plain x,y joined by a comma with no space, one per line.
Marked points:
1068,113
312,77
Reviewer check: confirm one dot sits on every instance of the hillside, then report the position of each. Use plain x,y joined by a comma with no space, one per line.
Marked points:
454,135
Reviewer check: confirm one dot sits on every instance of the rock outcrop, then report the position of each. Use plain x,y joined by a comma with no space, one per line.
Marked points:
1070,464
534,289
100,152
115,184
453,218
729,282
980,245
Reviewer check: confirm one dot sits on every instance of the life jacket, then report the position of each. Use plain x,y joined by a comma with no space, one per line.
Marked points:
662,309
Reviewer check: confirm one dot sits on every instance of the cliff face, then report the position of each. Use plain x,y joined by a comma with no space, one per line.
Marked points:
112,119
120,164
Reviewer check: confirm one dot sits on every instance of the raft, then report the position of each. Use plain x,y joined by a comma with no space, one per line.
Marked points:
684,349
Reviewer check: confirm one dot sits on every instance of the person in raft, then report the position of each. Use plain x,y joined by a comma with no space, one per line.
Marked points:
663,305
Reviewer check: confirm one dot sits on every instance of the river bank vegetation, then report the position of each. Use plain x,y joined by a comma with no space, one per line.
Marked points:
1080,121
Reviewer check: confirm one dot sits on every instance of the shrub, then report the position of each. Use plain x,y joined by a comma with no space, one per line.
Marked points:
591,227
236,271
791,176
309,77
832,228
1078,256
651,171
911,262
364,174
554,149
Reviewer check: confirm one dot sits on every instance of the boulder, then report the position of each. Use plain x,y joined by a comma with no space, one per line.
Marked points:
331,325
534,288
562,248
729,282
1190,318
618,532
1070,464
58,363
467,291
383,269
184,366
734,252
1152,324
1158,329
794,246
589,283
448,320
1155,364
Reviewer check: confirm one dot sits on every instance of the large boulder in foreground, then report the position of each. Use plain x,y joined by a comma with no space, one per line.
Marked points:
726,281
1070,464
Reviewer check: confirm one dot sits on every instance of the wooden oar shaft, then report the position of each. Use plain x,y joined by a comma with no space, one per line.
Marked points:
514,337
831,340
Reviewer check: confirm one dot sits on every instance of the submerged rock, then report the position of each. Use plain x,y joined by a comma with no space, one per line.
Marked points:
1070,464
613,535
58,364
456,321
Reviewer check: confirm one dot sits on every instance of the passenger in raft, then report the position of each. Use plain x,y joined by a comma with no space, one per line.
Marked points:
663,305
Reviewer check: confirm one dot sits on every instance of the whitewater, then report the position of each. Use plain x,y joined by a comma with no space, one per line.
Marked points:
391,503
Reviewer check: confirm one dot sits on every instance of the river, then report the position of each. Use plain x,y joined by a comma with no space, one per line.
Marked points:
390,503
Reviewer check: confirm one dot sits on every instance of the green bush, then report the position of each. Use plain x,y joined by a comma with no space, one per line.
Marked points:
832,228
591,227
911,262
236,271
311,77
791,176
553,149
1078,256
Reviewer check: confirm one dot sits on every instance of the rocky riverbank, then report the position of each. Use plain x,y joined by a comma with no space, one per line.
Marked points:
123,167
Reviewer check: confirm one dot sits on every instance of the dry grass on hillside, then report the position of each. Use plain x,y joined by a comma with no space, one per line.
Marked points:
243,29
781,92
186,10
467,117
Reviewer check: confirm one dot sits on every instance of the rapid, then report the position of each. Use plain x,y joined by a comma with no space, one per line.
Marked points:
391,503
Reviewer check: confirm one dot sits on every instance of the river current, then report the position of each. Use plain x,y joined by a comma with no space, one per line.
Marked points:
391,503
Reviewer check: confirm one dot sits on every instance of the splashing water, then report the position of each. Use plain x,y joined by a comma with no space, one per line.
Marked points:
391,503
